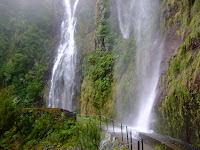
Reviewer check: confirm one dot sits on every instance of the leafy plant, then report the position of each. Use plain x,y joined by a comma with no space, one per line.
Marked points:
8,110
34,132
98,68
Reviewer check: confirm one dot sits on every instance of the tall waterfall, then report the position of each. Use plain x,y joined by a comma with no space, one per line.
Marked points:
63,74
141,18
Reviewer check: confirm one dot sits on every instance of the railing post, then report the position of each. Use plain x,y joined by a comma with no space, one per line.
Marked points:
138,145
113,126
107,123
87,127
131,140
127,136
142,144
122,132
100,121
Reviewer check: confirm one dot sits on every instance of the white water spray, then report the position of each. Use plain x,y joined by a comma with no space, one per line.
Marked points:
124,9
63,74
144,14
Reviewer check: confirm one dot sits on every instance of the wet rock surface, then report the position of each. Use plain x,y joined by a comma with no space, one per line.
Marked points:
166,142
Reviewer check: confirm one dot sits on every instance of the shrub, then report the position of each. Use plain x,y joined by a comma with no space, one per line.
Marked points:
8,110
33,132
98,67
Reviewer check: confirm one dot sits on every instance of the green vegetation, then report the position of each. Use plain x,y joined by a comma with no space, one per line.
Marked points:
179,13
27,32
98,69
8,110
25,37
46,132
160,147
108,68
103,31
181,107
88,119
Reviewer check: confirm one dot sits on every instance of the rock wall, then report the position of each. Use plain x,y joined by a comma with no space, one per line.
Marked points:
178,107
97,65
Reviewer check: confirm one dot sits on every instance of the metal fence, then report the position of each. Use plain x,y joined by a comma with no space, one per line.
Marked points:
111,125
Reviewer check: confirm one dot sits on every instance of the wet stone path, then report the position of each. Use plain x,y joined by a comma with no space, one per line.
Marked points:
123,140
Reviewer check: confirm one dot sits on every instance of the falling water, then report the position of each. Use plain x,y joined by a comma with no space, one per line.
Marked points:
144,14
62,81
124,9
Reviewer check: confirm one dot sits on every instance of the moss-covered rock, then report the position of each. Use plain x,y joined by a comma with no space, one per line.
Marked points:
180,107
96,97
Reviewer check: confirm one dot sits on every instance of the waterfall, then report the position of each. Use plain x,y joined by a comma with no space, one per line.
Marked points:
124,9
144,17
63,73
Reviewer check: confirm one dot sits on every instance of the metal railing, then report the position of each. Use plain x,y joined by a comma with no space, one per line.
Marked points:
102,120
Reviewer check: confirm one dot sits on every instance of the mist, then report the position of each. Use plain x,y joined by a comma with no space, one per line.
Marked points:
139,20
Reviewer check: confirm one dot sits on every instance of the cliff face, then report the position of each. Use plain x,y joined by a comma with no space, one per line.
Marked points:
107,64
178,107
96,87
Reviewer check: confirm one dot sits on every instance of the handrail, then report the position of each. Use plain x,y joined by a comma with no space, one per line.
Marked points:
129,144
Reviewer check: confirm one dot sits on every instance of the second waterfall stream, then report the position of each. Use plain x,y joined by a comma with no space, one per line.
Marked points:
141,18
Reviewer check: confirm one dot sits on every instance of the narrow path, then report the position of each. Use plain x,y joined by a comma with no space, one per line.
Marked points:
118,135
170,143
150,140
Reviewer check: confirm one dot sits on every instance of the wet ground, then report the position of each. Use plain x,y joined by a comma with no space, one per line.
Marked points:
168,142
121,136
150,140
